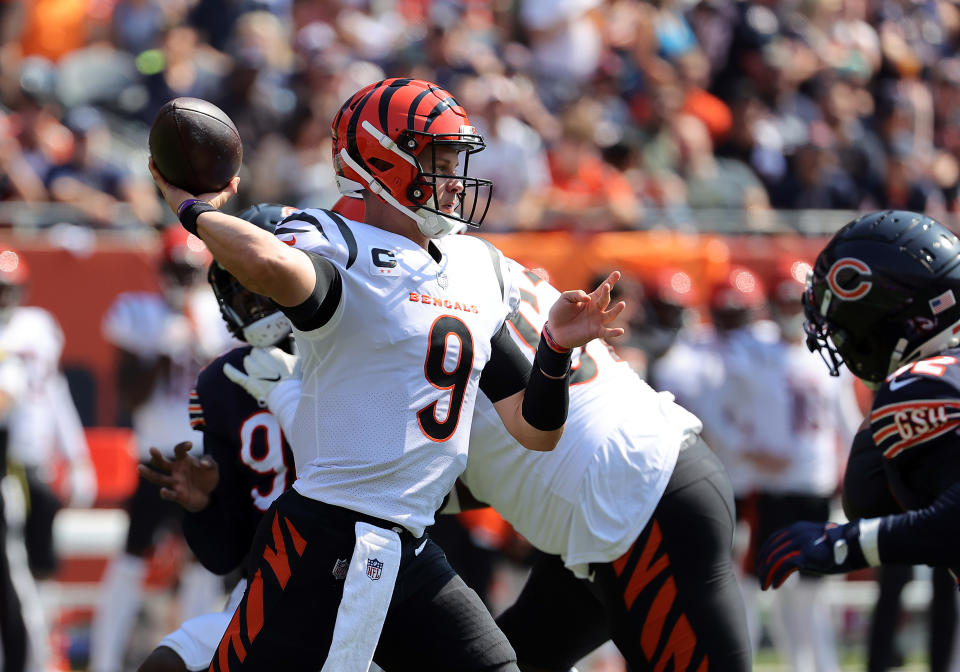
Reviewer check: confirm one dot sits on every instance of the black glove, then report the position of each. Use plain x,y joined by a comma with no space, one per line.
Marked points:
823,548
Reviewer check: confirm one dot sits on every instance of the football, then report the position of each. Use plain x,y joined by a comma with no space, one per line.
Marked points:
195,145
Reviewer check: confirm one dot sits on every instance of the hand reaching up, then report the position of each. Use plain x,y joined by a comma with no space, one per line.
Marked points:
577,317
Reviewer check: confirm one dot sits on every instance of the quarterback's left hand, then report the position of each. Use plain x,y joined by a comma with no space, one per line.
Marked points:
824,548
577,317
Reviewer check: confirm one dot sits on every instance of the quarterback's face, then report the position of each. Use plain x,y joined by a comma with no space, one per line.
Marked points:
447,162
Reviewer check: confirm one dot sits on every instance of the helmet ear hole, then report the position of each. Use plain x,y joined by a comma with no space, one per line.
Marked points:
418,193
409,142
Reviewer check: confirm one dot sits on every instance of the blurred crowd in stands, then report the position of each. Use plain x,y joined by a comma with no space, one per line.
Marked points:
598,114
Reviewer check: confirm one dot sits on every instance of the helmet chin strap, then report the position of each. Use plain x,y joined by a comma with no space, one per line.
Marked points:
430,224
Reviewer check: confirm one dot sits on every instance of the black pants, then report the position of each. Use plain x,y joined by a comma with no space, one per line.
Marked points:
775,511
886,616
38,527
13,632
149,514
287,616
671,602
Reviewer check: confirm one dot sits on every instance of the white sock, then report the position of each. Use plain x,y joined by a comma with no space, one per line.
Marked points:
38,636
804,631
119,601
200,591
750,591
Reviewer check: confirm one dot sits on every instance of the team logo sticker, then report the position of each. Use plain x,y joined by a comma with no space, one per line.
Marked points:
340,569
859,270
374,569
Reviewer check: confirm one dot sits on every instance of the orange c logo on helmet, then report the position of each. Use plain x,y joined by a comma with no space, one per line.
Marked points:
852,293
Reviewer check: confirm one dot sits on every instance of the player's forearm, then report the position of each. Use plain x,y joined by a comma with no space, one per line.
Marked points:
526,434
923,536
259,261
214,538
536,416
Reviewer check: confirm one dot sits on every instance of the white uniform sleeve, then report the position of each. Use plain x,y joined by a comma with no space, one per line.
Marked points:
136,323
314,231
13,382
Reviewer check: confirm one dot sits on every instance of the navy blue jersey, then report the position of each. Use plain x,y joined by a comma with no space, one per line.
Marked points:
255,462
914,423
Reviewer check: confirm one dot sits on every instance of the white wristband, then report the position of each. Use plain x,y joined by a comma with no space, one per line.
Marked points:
870,540
283,401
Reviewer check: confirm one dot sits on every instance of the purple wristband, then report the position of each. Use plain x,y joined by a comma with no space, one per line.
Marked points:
186,203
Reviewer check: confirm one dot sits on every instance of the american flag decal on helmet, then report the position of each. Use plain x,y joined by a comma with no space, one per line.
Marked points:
940,303
374,569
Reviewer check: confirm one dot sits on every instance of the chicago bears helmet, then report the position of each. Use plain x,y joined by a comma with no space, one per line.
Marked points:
884,292
251,317
380,138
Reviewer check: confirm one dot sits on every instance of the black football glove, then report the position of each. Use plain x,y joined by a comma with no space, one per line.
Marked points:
823,548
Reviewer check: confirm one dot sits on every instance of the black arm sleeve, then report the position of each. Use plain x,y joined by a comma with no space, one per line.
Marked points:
320,306
219,535
866,490
508,370
924,536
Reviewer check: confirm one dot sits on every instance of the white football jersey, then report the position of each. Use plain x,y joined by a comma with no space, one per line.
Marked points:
722,378
590,497
389,383
819,415
44,420
144,324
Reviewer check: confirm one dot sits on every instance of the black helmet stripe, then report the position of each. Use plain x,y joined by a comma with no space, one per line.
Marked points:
351,141
445,104
412,113
384,104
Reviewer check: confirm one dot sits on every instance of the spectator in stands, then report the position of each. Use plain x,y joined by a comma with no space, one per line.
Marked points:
138,25
90,181
255,93
186,69
712,182
34,119
905,186
586,194
816,180
844,104
514,157
565,45
18,181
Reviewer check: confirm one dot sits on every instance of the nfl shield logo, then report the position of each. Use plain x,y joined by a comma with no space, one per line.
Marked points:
374,567
340,569
443,280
